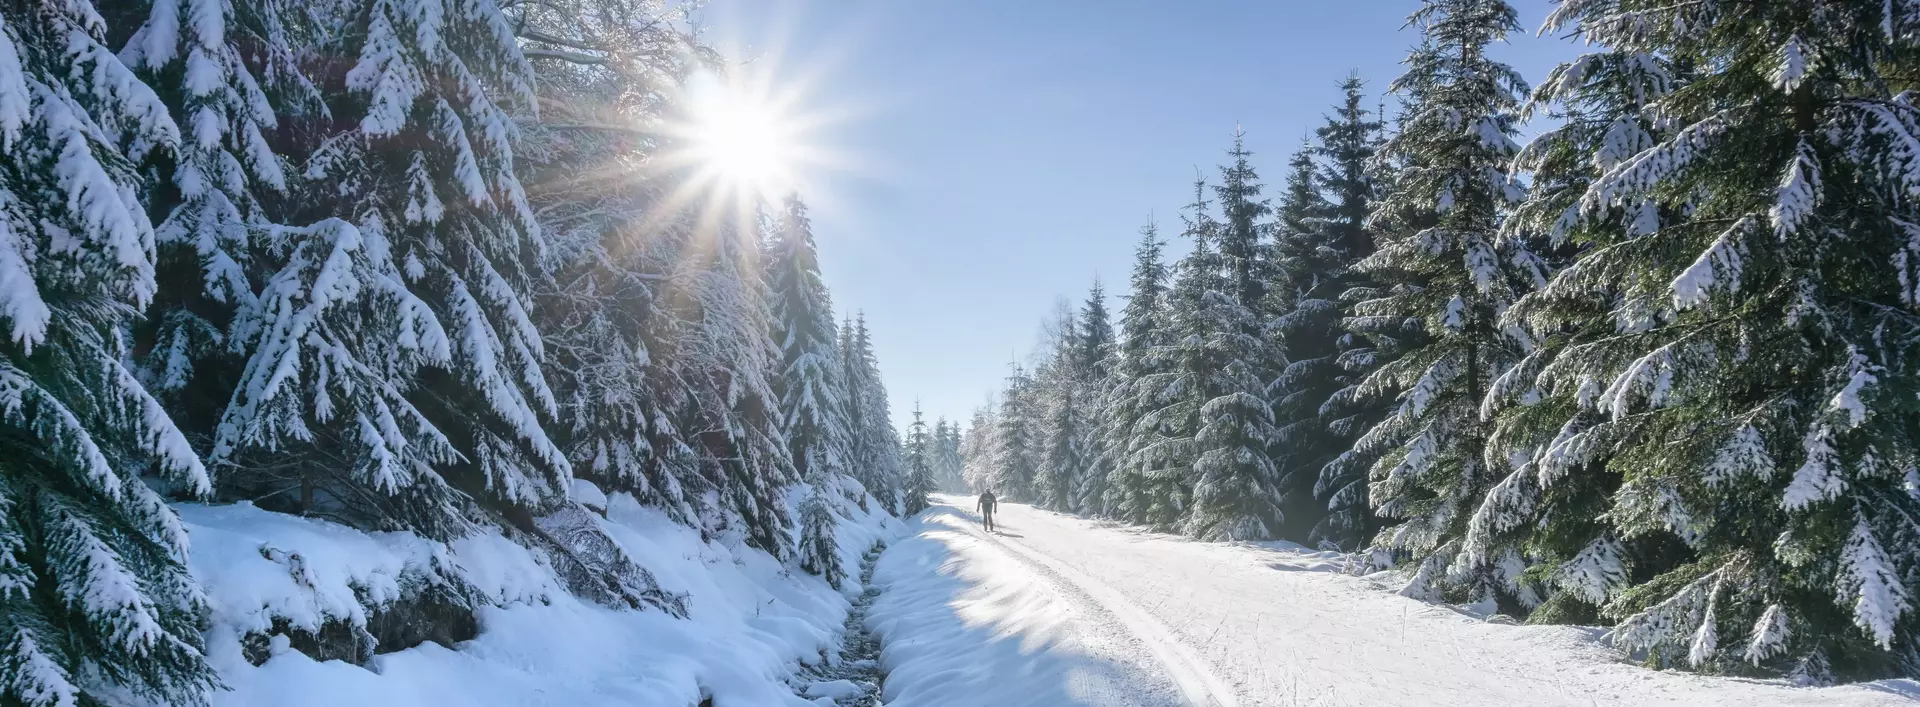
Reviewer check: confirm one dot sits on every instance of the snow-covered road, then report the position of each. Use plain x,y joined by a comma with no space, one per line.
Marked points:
1054,610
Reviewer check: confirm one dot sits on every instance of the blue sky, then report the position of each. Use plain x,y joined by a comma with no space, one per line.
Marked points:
994,155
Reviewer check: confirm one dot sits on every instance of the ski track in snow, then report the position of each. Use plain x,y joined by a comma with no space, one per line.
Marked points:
1055,610
1194,676
967,623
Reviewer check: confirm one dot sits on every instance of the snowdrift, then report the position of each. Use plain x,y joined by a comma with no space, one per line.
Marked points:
307,612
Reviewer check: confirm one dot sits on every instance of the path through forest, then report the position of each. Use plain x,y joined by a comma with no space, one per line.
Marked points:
1056,610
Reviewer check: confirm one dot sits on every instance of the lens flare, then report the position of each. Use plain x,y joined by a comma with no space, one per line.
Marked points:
742,141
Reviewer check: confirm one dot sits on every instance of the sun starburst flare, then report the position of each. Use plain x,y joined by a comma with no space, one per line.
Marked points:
744,142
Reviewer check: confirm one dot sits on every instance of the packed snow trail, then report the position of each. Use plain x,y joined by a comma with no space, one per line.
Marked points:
966,623
1054,610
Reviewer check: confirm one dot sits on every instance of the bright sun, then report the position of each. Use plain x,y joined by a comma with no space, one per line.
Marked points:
742,140
747,141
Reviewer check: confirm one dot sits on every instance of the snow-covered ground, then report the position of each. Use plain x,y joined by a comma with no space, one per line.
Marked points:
1054,610
1051,611
751,620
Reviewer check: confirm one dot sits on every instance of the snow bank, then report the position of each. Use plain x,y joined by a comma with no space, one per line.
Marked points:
750,621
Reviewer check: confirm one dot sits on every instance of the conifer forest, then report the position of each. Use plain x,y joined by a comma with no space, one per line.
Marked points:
403,265
1633,345
1653,368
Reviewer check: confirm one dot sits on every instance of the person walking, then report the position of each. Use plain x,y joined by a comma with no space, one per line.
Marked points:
985,507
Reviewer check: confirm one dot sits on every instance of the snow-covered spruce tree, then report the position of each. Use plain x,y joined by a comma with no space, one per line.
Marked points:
811,404
1347,145
977,450
94,594
603,333
1323,232
819,552
397,350
599,301
1552,472
1094,362
1455,276
732,420
936,437
1143,330
881,424
1235,481
1304,261
230,70
613,242
947,461
875,444
1185,375
1761,392
1307,278
861,458
1063,420
1095,344
1368,344
956,458
1236,492
1016,453
241,293
919,453
347,442
1241,235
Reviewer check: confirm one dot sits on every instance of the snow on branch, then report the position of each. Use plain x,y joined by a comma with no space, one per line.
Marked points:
566,56
1796,62
1860,375
20,300
1717,269
1677,618
1743,454
1819,477
1655,165
1415,402
386,74
1906,263
96,583
1650,377
40,681
1508,504
1595,573
16,103
1799,192
1769,636
1575,445
1871,584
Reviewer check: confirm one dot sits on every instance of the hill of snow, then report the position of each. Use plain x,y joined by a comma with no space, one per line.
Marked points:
279,584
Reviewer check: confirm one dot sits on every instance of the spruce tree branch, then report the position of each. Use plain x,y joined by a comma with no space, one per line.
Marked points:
566,56
601,127
540,36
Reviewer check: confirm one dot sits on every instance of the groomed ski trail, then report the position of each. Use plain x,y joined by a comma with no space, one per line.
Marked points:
965,621
1053,610
1195,678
